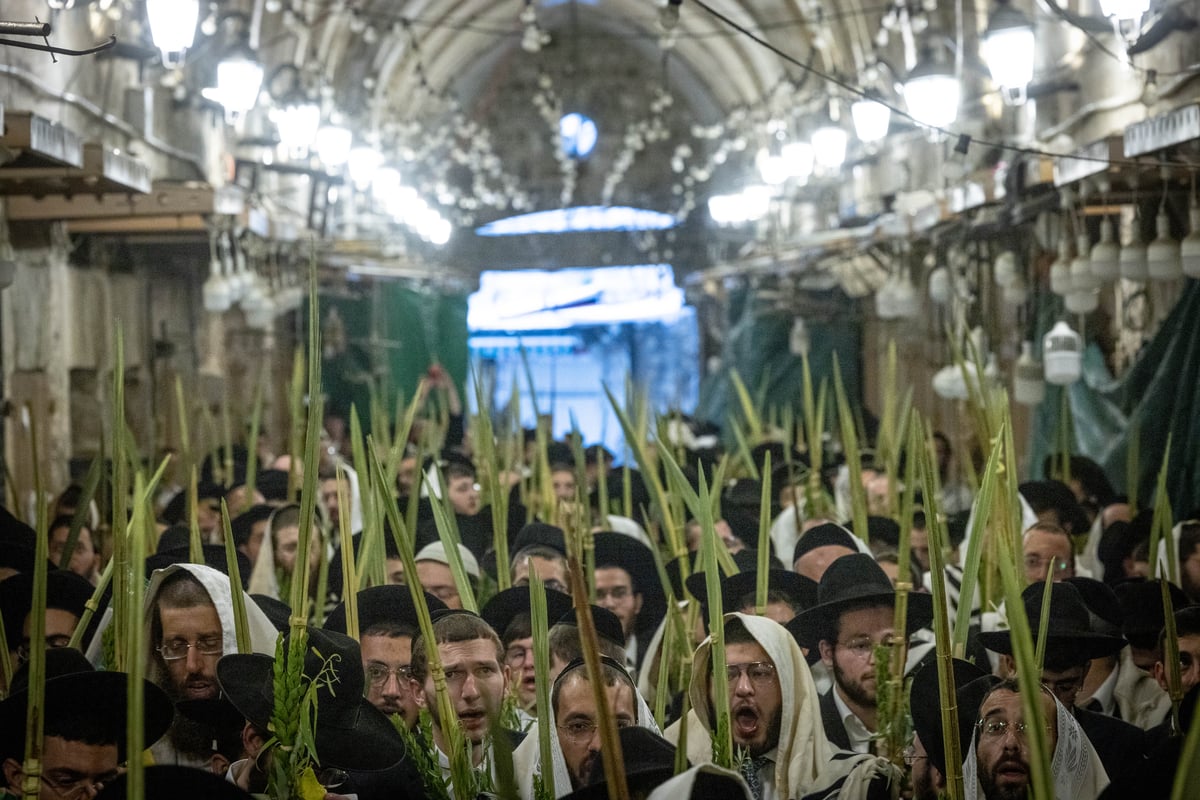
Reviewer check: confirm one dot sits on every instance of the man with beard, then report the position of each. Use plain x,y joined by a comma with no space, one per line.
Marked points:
927,756
387,621
998,764
189,626
854,615
575,714
471,656
775,720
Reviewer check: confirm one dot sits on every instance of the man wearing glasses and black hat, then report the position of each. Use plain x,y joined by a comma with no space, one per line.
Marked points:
854,614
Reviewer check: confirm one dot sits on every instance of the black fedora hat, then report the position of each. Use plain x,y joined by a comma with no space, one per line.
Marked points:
1141,602
746,561
621,550
65,591
800,590
169,782
350,732
532,533
73,689
608,624
1069,632
504,607
277,611
389,603
854,581
925,704
1102,604
827,534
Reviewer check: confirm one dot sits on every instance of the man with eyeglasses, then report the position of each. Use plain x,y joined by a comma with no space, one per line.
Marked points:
854,616
998,767
189,625
1071,645
780,746
575,714
387,622
1047,550
66,595
627,584
508,613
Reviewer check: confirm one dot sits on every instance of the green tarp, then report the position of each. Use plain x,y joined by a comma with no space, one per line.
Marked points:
1159,394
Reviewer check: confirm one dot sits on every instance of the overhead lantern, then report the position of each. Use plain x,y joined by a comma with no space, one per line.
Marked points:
332,143
297,124
362,162
1029,387
1009,50
798,160
1124,9
1062,354
829,146
172,27
932,93
871,118
1133,255
1106,255
1163,259
239,78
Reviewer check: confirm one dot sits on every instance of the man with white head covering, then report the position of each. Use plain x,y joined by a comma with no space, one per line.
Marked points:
189,625
997,767
776,719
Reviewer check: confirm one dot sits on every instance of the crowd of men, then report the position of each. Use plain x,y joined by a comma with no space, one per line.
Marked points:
806,717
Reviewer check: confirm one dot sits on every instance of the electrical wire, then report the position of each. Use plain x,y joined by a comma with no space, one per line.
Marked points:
963,140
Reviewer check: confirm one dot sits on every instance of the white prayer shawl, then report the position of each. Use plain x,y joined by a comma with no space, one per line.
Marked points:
808,764
683,784
1075,767
527,758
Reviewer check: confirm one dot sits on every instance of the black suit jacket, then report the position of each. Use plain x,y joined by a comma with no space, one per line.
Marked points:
835,731
1122,747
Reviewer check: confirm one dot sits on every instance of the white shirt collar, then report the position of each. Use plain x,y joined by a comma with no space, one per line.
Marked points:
856,729
1104,692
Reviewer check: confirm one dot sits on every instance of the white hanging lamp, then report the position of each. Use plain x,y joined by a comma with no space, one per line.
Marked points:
1189,248
932,92
905,297
939,285
1060,270
1017,292
217,296
1163,258
1062,354
1082,278
1004,271
1106,255
1029,385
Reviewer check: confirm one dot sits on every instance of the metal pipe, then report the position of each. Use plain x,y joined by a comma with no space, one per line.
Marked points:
8,28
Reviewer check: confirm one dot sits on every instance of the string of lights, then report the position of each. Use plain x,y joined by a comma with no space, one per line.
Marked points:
963,140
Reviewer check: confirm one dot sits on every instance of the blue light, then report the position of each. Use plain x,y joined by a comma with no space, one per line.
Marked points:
580,218
578,134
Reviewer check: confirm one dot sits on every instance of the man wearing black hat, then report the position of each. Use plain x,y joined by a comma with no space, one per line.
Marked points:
387,623
575,714
84,727
508,613
854,614
627,585
565,644
928,753
66,595
1071,644
351,735
819,547
1187,629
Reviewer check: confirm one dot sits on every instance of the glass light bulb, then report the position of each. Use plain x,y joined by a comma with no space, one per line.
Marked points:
871,120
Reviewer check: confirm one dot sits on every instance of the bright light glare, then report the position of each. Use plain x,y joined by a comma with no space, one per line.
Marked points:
172,26
332,144
1124,9
238,81
580,218
770,167
362,164
748,205
578,134
297,125
933,98
798,160
829,146
871,120
1009,54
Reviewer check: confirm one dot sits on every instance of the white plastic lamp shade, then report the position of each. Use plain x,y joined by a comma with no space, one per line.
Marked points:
1008,47
297,125
949,383
1004,271
798,160
1124,9
799,341
1163,258
332,144
1060,270
939,286
362,162
905,298
871,120
1133,256
1189,248
932,94
1106,255
217,296
1082,301
238,80
771,167
172,26
829,146
1029,386
1062,354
